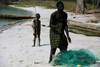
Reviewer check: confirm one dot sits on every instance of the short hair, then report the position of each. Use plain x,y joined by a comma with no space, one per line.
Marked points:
60,2
38,14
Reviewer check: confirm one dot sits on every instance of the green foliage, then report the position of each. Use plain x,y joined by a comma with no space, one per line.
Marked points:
7,2
66,0
91,2
46,4
69,5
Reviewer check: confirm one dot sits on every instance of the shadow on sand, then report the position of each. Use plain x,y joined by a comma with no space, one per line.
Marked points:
45,44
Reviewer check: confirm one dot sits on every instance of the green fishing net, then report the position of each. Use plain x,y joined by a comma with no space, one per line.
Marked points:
72,58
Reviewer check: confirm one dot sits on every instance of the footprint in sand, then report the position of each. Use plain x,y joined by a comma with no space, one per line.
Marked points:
4,48
21,60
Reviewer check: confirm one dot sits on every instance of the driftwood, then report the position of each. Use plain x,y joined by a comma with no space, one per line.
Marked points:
92,11
95,12
97,15
45,25
13,16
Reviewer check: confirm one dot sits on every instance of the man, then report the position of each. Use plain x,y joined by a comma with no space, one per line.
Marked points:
58,23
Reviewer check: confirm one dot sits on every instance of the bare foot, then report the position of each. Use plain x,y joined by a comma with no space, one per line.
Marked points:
33,45
54,64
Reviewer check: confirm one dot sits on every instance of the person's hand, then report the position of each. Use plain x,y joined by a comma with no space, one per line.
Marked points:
69,39
35,26
59,26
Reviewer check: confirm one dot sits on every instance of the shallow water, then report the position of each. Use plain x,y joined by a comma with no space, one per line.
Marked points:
11,10
6,22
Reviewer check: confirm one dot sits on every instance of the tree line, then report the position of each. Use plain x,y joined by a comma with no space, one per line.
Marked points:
7,2
81,5
91,2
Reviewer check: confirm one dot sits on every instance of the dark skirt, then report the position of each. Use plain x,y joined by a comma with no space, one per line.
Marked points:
58,38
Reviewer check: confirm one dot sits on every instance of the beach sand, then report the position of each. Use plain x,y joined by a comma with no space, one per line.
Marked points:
16,43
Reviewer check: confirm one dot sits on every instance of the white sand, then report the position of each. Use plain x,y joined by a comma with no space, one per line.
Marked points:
16,42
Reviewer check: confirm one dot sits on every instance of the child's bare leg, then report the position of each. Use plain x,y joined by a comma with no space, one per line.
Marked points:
39,38
34,40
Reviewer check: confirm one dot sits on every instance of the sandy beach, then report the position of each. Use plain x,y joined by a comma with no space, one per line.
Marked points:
16,42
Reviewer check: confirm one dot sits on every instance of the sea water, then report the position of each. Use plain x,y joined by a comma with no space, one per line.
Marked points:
11,10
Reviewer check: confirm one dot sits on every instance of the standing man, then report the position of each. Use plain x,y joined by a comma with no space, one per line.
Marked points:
58,23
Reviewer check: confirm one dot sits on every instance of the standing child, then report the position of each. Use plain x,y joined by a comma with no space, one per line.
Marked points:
36,28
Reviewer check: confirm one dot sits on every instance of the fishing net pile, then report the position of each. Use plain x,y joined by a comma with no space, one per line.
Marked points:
72,58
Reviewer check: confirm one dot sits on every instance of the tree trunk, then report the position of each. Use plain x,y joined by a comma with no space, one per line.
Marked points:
80,9
98,3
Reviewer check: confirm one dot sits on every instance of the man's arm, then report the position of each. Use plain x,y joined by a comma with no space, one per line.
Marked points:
66,30
40,25
33,25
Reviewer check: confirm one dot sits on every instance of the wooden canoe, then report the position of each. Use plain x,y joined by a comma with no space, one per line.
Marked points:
14,16
81,28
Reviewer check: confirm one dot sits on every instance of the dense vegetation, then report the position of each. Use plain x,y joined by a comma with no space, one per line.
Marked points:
7,2
46,4
92,2
69,4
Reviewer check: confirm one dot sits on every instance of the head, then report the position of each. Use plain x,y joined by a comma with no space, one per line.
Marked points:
37,15
60,6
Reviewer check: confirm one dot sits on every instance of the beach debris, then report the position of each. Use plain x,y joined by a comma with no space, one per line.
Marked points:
79,66
50,6
26,24
92,11
94,21
36,62
71,14
4,47
44,25
21,60
74,17
97,16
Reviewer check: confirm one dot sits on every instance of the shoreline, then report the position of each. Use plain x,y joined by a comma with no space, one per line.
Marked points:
18,22
24,8
12,25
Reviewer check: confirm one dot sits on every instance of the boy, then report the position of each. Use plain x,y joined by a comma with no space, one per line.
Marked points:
37,28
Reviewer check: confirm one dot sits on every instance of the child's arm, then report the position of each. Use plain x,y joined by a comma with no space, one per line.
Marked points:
33,24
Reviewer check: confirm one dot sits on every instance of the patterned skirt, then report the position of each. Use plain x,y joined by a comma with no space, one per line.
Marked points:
58,39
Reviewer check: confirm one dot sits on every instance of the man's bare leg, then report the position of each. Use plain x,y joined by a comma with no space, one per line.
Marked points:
52,52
